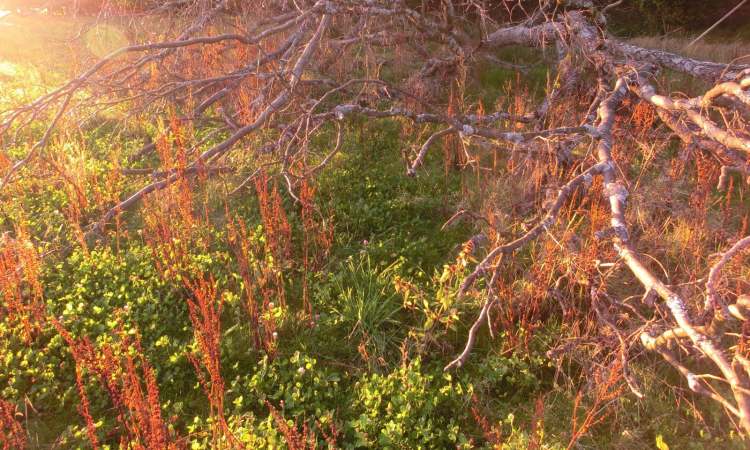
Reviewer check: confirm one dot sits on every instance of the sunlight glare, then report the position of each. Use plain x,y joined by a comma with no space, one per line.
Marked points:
104,39
8,69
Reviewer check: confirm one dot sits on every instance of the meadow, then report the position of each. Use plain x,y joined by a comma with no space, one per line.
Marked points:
218,317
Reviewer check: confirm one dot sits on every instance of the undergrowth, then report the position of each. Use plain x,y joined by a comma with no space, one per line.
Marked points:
261,321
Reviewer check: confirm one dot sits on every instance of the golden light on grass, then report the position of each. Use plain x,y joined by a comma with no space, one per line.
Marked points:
714,51
8,69
103,39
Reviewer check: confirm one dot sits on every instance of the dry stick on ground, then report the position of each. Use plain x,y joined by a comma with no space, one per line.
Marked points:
299,63
676,305
624,347
498,252
714,303
617,195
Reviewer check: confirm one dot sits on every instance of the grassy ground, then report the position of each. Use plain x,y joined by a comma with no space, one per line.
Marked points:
365,368
707,49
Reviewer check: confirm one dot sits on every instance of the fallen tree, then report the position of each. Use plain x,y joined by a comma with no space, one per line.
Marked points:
284,72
